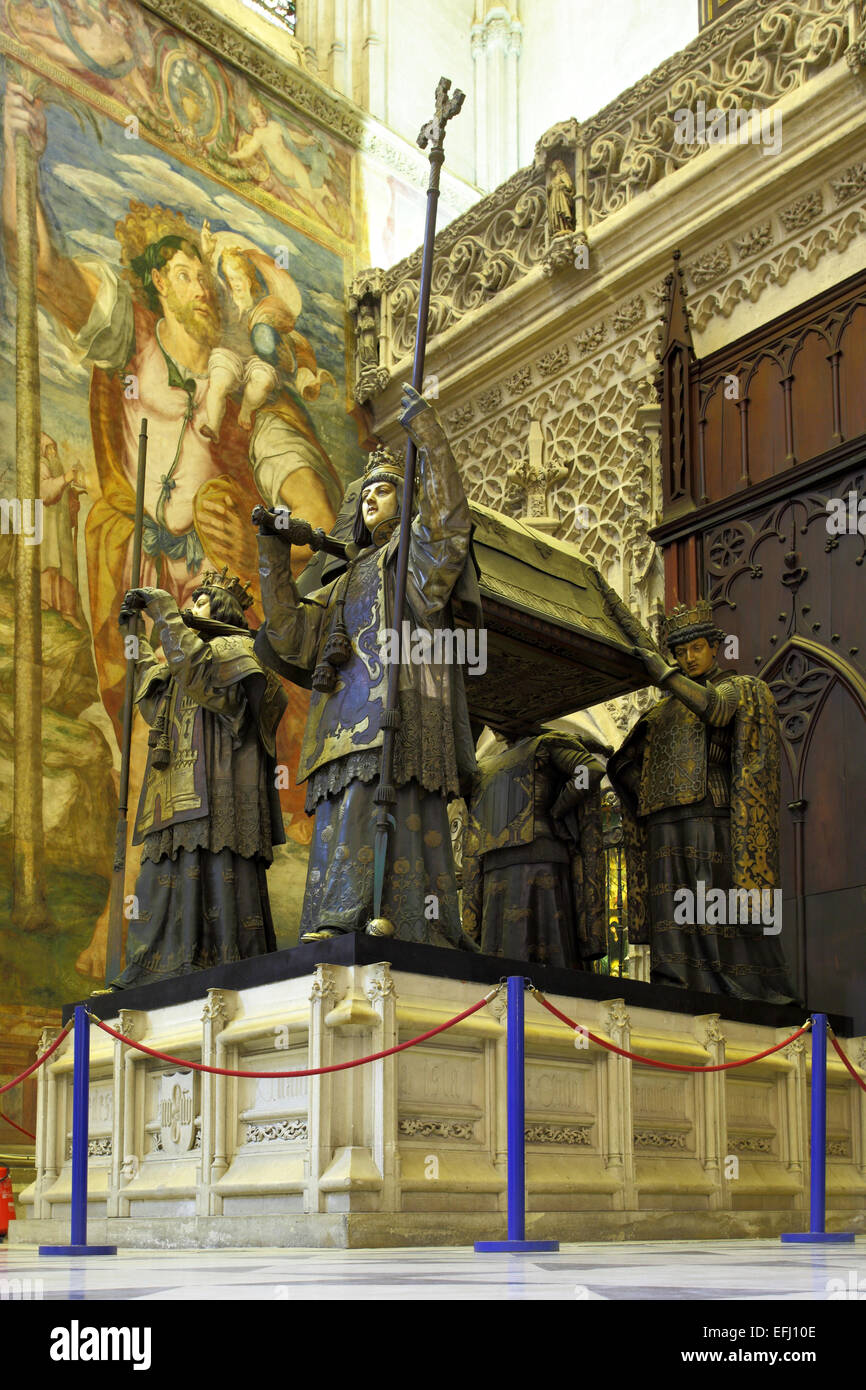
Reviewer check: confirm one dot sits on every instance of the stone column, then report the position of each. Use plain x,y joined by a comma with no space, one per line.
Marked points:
712,1144
380,991
619,1148
46,1126
797,1111
219,1009
372,94
496,43
129,1144
320,1054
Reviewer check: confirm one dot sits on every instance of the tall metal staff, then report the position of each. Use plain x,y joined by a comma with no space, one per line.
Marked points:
432,133
114,953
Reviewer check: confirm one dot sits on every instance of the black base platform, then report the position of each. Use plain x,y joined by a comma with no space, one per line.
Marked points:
356,949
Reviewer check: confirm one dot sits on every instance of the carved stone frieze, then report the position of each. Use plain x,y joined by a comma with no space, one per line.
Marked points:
850,183
591,339
490,400
46,1038
800,213
478,255
750,1143
461,416
280,1131
324,984
553,361
617,1016
96,1148
559,1134
659,1139
519,381
710,265
418,1128
748,283
629,314
751,242
380,982
219,1008
838,1148
592,429
746,60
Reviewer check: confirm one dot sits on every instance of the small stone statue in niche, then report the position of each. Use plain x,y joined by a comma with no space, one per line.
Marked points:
699,782
560,200
533,861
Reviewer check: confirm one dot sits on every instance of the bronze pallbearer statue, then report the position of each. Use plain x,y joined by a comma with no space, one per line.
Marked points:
337,634
209,813
699,780
533,859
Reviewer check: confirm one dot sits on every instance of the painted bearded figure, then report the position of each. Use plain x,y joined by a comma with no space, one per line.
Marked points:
209,814
337,632
699,782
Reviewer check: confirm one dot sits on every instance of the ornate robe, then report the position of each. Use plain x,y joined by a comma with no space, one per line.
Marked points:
533,861
209,820
700,798
341,748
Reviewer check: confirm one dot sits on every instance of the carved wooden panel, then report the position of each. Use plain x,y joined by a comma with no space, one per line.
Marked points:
793,595
785,395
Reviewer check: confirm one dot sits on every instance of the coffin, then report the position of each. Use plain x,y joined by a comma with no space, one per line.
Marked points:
554,645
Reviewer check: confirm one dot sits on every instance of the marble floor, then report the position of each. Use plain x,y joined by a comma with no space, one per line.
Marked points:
761,1270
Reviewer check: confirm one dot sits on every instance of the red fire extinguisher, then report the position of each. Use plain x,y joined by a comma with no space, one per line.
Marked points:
7,1203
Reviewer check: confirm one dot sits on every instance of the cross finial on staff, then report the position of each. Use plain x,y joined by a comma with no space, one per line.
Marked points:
433,131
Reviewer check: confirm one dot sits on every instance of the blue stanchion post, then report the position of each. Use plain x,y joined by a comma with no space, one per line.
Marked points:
817,1233
80,1135
516,1080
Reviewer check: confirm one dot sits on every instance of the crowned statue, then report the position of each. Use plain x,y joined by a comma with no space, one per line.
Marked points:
699,781
341,633
209,813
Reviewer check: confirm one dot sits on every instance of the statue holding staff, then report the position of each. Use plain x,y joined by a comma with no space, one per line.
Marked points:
209,813
337,633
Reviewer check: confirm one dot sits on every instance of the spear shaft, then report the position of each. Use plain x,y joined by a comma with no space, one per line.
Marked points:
114,952
433,133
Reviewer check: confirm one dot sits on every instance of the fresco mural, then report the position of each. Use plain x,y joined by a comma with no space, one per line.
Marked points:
193,243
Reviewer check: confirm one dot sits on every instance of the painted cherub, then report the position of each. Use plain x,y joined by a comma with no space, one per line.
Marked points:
264,304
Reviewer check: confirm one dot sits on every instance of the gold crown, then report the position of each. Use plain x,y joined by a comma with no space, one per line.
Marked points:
383,468
232,585
683,624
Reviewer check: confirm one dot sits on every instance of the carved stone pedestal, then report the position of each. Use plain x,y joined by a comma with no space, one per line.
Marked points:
412,1149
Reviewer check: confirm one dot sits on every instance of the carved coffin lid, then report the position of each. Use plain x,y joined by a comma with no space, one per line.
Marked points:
552,645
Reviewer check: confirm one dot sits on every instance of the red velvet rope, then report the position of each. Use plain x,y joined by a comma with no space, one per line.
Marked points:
309,1071
667,1066
14,1126
38,1063
861,1084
